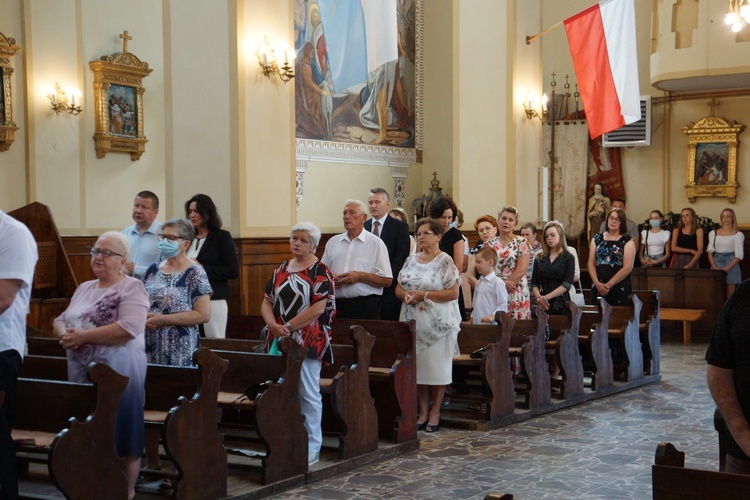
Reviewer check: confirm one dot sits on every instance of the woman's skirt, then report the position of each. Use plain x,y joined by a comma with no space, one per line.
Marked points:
435,364
734,276
680,260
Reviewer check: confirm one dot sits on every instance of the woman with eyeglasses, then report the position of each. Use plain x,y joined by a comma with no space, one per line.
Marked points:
180,298
214,249
611,257
104,323
428,286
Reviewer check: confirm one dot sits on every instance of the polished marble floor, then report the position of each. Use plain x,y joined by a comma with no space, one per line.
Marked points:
602,449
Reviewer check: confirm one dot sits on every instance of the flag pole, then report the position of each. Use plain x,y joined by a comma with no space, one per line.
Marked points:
531,38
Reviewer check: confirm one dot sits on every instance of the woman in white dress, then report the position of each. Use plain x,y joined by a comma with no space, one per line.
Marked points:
655,251
726,249
428,285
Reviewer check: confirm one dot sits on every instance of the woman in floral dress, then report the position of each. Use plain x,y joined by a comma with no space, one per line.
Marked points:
611,257
428,285
513,261
180,296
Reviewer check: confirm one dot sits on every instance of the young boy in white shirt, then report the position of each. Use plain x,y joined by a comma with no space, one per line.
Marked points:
490,294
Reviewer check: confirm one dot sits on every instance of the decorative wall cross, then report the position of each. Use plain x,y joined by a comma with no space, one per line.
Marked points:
125,39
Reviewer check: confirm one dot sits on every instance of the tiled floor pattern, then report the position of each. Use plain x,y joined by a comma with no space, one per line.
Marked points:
602,449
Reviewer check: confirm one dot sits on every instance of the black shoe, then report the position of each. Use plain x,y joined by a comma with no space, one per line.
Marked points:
422,426
432,428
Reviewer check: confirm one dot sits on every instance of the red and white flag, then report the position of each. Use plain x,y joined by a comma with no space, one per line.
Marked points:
602,43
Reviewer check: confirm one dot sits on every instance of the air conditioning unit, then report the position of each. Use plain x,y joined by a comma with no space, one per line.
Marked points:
636,134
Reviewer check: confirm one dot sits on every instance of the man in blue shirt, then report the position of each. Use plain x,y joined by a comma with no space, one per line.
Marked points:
143,236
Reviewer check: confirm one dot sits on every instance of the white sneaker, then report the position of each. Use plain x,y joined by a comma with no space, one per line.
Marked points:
313,458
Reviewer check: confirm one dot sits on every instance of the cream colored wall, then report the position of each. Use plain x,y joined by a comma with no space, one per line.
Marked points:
13,193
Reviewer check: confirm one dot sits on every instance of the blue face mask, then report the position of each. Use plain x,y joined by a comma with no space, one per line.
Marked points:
168,248
655,222
452,224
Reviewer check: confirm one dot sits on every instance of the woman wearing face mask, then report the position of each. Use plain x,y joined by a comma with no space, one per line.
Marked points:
180,297
656,250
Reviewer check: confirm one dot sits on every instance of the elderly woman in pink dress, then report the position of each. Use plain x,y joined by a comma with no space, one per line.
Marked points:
104,323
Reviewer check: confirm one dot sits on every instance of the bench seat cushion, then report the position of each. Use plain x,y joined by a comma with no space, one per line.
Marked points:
35,439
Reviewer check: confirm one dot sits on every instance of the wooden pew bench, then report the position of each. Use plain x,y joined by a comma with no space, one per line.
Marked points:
392,373
348,409
593,342
71,427
527,342
180,412
274,415
687,316
624,330
650,330
493,367
563,343
672,481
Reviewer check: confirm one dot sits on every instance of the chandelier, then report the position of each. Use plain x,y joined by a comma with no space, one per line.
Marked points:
738,14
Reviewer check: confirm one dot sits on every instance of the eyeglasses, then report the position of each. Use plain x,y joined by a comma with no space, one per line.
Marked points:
424,233
614,219
169,237
104,253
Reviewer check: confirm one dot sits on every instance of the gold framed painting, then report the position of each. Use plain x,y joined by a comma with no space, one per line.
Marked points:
8,49
118,103
712,158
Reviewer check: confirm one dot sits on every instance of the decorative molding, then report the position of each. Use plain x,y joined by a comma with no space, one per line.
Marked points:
418,78
8,49
299,189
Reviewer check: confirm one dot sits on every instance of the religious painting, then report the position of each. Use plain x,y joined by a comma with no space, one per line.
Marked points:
357,70
122,110
712,158
118,99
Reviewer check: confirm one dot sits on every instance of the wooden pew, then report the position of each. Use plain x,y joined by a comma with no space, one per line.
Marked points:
348,408
393,374
594,344
190,425
650,330
624,329
672,481
72,427
564,342
527,342
180,411
275,413
687,316
393,369
493,365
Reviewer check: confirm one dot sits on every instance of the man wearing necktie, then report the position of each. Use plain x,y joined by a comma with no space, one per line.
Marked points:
395,235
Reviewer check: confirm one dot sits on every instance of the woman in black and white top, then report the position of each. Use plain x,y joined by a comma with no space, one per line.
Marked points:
726,249
214,249
655,251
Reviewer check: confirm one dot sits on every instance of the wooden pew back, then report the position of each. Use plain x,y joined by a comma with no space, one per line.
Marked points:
650,330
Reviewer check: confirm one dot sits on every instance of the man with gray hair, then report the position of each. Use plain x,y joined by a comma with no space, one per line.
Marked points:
360,266
395,235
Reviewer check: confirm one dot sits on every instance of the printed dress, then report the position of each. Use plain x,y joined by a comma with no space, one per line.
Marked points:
124,303
609,261
291,293
437,323
519,304
173,293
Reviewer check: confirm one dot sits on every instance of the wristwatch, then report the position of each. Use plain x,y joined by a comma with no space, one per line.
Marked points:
288,326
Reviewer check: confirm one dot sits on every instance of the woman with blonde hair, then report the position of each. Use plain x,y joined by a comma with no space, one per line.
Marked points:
687,241
726,249
554,270
513,261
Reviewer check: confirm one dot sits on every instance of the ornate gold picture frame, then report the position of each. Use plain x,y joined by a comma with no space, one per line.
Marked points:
8,49
118,102
712,158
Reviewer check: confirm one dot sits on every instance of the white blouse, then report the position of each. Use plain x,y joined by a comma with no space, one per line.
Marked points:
656,241
727,244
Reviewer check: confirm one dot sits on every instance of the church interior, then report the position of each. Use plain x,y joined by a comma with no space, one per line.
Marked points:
212,122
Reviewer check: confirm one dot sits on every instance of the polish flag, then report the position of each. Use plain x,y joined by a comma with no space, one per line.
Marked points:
602,43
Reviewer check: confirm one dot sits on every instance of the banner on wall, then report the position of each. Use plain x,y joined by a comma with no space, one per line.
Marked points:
605,168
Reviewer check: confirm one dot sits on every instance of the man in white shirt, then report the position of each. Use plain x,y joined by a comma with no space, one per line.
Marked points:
18,256
395,235
359,262
143,236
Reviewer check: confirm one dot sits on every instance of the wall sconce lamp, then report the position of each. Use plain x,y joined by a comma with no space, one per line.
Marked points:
269,63
60,102
737,15
529,106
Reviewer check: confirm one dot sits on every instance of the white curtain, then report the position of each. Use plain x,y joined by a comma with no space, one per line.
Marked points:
569,173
